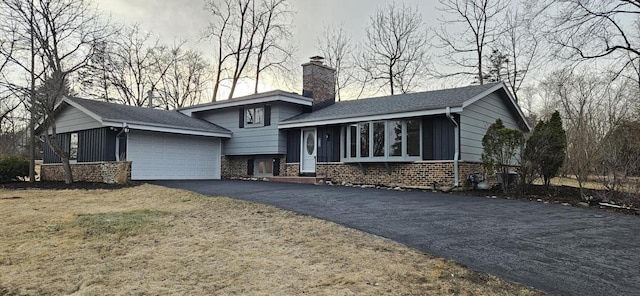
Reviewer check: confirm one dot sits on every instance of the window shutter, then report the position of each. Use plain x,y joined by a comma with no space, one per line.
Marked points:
276,166
267,115
241,121
250,167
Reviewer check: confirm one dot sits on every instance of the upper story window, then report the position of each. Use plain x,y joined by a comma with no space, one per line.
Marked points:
254,116
390,140
73,146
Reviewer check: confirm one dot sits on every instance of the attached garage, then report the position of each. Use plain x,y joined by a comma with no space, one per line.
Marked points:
106,142
165,156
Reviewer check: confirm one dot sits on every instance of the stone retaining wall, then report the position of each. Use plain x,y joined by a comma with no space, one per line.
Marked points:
417,174
102,172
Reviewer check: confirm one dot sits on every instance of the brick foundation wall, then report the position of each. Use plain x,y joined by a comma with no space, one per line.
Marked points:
101,172
418,174
292,169
236,166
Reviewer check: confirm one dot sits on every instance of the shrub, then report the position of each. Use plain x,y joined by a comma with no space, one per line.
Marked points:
500,148
545,150
13,168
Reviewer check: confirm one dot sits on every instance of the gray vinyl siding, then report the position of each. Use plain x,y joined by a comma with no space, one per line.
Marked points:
476,119
63,142
283,111
97,145
328,139
252,140
72,119
93,145
293,145
438,141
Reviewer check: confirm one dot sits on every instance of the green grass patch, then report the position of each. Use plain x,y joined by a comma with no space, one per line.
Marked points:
119,224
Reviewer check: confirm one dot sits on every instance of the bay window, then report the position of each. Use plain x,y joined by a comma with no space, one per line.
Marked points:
391,140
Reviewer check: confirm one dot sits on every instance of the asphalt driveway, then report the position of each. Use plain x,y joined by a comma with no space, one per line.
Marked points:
554,248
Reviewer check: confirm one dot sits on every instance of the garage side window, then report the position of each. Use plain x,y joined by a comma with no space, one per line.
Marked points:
73,146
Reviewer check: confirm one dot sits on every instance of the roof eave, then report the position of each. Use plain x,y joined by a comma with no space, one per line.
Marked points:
68,101
249,100
309,123
499,86
165,128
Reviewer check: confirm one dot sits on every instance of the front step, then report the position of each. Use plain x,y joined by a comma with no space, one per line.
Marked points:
305,180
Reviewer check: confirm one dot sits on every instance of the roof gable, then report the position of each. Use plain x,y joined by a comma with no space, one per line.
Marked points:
396,106
111,114
266,97
404,105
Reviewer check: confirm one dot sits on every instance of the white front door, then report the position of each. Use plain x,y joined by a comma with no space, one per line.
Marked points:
308,155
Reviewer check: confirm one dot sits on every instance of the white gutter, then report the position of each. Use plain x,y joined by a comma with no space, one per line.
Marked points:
456,155
125,129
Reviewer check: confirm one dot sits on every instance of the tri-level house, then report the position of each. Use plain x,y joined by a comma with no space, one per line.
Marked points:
414,139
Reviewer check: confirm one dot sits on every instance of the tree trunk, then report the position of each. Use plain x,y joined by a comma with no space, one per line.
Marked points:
64,157
505,178
68,174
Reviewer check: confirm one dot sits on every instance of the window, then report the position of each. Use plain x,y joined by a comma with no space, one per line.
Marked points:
395,138
73,146
254,116
264,167
392,140
378,139
353,132
364,139
413,137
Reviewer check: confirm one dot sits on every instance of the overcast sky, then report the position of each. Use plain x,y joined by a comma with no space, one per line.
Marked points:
187,18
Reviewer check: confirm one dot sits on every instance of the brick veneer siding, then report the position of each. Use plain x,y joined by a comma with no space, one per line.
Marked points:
318,82
292,169
236,166
417,174
102,172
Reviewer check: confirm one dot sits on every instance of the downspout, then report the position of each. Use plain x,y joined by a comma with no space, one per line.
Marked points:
456,155
125,129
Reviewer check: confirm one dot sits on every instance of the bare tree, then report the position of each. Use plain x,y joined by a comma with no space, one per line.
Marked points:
395,49
521,45
64,33
274,29
336,47
466,48
8,101
247,22
220,27
248,36
183,84
592,106
138,66
95,79
594,29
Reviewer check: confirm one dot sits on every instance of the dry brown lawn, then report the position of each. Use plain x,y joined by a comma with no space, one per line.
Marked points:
158,241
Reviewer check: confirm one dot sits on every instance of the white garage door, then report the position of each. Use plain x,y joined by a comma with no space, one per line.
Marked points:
162,156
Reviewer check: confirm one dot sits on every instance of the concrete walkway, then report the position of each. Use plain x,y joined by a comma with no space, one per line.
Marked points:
554,248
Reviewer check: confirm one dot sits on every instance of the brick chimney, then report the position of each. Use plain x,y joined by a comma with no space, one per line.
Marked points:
318,82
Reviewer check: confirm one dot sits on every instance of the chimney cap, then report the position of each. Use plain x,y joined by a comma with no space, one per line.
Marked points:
317,59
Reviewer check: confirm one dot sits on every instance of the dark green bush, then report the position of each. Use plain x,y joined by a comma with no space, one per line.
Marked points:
13,168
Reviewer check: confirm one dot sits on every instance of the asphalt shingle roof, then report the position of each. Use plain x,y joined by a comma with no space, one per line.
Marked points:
141,115
429,100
